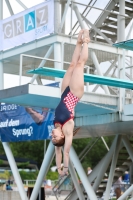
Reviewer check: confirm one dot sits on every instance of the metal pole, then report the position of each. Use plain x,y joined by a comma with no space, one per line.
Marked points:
9,7
57,15
75,8
90,192
64,15
128,146
57,56
123,75
104,165
6,145
126,193
112,169
71,24
43,62
15,171
57,46
121,22
97,168
75,181
121,37
43,170
95,61
105,143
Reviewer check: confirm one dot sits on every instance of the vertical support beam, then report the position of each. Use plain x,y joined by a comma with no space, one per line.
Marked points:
57,46
63,4
90,192
1,9
57,15
15,171
64,14
43,170
121,37
75,181
112,169
57,56
131,77
95,61
6,145
62,55
121,22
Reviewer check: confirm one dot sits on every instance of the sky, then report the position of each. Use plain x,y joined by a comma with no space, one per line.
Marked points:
17,8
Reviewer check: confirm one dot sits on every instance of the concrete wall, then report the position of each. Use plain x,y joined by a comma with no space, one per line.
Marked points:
9,195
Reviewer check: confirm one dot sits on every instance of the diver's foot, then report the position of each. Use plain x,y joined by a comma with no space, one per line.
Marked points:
86,38
80,40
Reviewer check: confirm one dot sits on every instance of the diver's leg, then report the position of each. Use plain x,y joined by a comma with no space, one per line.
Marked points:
77,79
75,58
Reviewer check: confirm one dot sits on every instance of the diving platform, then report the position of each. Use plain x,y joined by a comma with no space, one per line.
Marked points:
128,45
45,71
96,114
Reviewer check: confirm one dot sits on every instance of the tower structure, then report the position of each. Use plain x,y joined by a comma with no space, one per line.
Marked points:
109,113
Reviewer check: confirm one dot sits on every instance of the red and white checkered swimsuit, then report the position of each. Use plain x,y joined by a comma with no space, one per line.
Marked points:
65,110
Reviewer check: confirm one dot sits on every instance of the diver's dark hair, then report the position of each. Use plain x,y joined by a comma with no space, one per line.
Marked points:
60,143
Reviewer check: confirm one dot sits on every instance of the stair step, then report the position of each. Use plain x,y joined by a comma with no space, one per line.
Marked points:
128,12
128,4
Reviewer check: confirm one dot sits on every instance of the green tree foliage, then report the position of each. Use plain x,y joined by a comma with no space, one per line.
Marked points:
28,175
6,175
1,149
23,165
52,175
95,154
1,162
34,150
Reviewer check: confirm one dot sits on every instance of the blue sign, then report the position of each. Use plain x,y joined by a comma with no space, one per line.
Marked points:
18,123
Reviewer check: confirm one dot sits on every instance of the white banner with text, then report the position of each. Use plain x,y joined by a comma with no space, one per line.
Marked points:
27,26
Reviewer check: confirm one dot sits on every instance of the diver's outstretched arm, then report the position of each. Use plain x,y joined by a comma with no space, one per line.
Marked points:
58,155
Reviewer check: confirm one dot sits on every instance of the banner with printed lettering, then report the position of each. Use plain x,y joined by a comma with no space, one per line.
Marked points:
29,25
19,123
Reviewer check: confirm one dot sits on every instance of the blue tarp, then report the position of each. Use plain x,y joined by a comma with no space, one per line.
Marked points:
18,123
24,124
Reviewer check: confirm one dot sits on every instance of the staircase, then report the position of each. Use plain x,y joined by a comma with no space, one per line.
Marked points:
123,164
107,21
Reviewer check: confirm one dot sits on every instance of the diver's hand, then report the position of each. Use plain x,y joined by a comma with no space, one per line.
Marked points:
60,172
